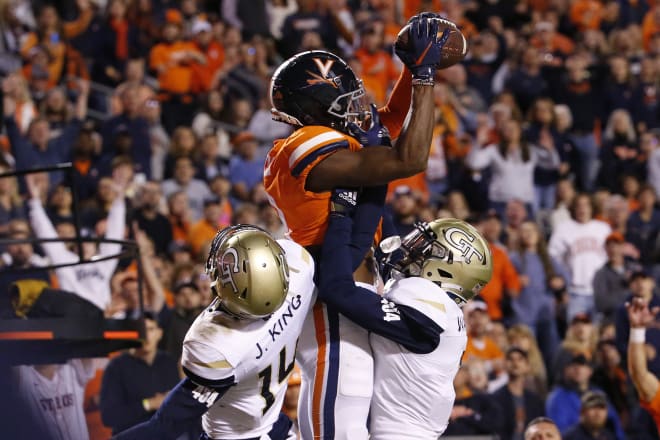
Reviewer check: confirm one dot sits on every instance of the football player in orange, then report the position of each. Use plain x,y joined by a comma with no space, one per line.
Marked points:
319,94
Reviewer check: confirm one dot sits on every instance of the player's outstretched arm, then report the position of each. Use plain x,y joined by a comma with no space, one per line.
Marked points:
180,411
380,165
640,317
402,324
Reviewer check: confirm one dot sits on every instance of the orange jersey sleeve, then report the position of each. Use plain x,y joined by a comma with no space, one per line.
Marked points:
288,164
395,111
653,407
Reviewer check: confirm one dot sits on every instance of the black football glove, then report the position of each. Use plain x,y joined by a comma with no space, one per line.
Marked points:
343,202
423,50
377,134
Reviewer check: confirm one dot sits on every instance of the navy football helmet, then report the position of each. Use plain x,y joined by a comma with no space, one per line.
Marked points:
317,88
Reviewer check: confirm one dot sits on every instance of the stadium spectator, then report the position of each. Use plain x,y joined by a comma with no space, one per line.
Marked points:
129,122
11,204
643,227
176,322
202,232
564,402
480,345
578,244
183,143
519,335
610,376
183,180
379,73
405,210
38,148
542,428
512,162
519,405
580,338
20,261
505,283
246,167
149,218
136,383
611,280
642,286
619,152
593,419
475,412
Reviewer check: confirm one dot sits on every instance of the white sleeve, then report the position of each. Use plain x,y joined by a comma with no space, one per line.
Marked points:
43,228
557,246
85,370
480,158
115,225
205,361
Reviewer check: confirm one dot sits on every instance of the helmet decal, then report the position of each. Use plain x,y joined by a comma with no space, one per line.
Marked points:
462,241
227,269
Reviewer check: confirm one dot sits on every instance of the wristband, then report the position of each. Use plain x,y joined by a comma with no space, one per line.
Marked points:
637,335
145,405
423,82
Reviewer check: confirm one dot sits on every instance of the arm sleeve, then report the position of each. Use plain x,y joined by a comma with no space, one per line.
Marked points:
556,246
366,219
479,158
18,143
180,411
401,324
511,280
562,414
43,228
116,224
394,113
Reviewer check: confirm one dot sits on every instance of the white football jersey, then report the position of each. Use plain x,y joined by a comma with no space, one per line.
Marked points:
581,248
56,404
414,393
259,354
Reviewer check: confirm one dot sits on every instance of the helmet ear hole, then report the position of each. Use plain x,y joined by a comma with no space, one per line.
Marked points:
444,273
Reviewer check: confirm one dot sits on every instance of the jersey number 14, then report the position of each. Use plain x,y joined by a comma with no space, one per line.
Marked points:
265,376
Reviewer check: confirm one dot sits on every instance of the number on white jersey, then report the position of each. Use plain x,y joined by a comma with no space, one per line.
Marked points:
283,374
390,310
205,395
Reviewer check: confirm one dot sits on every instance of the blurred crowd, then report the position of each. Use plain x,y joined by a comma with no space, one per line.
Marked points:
546,138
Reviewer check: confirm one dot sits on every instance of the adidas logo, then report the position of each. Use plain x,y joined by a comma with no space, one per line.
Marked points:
349,196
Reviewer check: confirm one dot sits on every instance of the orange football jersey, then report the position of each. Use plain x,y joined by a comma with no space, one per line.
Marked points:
288,163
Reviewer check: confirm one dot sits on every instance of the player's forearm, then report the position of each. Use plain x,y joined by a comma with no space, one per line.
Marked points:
180,411
413,144
367,309
365,222
645,382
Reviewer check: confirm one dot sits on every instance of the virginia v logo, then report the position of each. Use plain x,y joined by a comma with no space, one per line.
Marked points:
324,68
461,240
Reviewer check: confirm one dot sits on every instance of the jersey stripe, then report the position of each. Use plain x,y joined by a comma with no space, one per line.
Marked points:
306,146
333,376
319,326
311,157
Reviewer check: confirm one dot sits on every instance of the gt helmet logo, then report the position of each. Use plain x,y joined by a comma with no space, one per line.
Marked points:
227,269
461,240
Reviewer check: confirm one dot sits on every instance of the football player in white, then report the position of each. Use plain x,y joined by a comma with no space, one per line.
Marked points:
418,332
239,352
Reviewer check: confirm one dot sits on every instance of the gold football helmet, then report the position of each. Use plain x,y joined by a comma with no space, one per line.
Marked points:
248,271
449,252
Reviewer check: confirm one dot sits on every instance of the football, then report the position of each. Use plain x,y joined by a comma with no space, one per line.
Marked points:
454,49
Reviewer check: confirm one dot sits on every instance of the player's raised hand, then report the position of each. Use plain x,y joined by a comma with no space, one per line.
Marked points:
377,134
343,201
420,48
639,313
